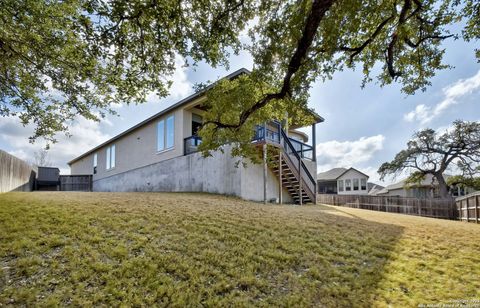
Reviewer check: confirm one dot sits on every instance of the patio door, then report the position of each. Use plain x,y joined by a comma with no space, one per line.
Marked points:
197,121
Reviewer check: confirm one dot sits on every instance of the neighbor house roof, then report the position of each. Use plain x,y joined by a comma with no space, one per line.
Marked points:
375,189
331,174
184,101
335,173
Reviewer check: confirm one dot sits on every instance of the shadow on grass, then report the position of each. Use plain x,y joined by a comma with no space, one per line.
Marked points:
187,251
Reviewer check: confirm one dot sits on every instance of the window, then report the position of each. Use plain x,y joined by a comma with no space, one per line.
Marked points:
95,161
110,157
348,184
355,184
170,132
363,184
166,134
340,185
161,135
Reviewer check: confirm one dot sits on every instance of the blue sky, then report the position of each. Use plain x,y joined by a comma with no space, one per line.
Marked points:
362,128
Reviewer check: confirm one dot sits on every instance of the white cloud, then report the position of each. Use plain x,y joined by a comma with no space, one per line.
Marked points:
335,153
424,114
181,86
421,113
86,134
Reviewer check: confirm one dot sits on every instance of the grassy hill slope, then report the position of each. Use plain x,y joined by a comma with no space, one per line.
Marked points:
197,249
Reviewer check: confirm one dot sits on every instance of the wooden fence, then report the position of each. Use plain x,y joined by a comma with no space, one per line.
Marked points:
437,208
15,174
468,207
76,182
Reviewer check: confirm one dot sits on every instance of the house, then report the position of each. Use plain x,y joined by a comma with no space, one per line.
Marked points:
160,154
342,181
427,188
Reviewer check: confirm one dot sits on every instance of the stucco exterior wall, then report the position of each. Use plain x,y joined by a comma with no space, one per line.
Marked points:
136,149
298,135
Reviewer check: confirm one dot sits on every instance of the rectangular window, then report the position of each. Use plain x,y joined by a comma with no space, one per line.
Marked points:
110,157
340,185
363,184
348,185
166,134
107,165
355,184
170,131
161,136
95,161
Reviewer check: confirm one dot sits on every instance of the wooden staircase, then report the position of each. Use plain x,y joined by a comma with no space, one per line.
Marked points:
292,173
292,181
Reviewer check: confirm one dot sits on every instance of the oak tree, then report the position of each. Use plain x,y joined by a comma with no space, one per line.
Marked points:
60,59
430,152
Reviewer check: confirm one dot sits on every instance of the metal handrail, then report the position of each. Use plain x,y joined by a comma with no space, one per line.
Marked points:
303,147
287,140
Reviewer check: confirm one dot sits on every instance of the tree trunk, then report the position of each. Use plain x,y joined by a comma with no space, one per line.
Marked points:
442,185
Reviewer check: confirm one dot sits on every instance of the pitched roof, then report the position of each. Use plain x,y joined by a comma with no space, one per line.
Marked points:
351,168
428,181
331,174
335,173
374,189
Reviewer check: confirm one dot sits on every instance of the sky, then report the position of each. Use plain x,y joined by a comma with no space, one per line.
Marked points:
363,127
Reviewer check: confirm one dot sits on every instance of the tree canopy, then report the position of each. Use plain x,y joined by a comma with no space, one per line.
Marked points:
430,152
60,59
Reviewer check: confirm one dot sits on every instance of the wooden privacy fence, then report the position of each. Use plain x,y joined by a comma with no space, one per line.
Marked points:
76,182
15,174
468,207
436,208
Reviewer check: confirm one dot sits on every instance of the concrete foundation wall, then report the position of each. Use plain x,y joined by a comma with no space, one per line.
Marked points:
252,184
193,173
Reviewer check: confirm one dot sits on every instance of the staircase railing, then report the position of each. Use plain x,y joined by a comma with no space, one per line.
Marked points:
308,183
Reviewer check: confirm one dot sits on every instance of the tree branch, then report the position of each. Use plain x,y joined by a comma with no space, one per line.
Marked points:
359,49
319,8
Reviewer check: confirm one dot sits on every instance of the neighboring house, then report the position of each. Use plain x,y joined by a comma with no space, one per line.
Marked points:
342,181
427,188
160,154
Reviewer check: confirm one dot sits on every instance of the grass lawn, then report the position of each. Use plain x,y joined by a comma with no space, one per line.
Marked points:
206,250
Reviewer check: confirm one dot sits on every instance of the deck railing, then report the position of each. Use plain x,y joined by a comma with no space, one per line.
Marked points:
190,144
303,149
270,132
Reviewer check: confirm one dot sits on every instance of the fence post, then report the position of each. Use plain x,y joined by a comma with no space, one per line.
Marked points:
476,209
468,206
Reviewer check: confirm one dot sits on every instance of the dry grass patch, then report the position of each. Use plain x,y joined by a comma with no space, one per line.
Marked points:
197,249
